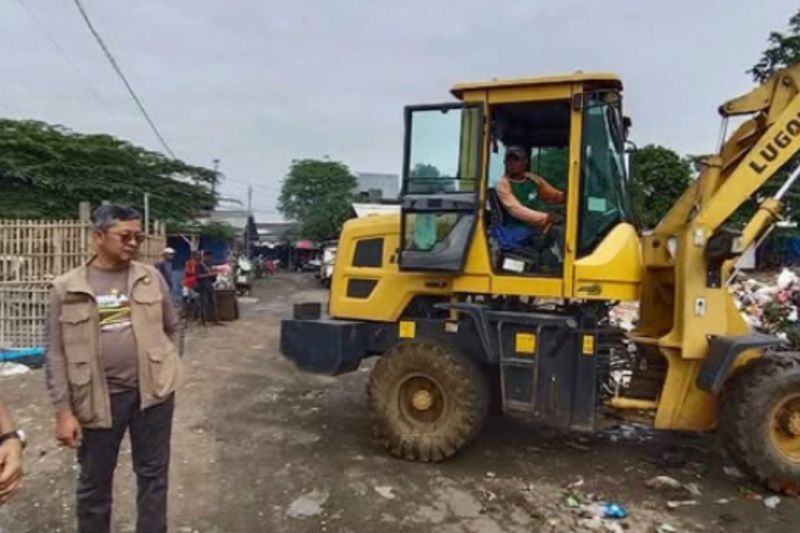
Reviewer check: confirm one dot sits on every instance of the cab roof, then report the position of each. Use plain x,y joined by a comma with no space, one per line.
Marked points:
605,79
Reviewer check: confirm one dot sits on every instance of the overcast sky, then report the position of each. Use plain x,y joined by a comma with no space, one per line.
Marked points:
259,83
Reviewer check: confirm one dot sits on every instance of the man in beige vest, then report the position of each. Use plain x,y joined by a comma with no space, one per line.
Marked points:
111,367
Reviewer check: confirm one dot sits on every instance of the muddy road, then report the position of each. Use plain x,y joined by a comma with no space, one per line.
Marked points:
260,447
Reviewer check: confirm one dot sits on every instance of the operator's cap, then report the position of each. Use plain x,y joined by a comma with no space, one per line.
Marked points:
517,151
168,251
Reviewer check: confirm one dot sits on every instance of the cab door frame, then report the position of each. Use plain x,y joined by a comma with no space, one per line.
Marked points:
465,205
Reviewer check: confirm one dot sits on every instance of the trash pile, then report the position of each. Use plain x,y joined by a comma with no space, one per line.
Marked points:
771,308
624,315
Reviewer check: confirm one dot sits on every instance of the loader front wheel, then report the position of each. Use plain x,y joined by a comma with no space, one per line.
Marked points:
760,420
427,401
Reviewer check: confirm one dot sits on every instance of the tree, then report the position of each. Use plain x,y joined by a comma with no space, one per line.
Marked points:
661,178
47,170
425,170
783,51
552,164
317,196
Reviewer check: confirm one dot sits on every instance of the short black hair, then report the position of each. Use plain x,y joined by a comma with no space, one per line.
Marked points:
105,216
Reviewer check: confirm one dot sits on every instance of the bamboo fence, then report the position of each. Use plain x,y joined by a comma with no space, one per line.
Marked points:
32,253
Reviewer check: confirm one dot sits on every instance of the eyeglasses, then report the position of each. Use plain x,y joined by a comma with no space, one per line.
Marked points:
129,236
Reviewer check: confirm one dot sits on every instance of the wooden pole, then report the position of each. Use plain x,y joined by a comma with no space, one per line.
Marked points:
84,211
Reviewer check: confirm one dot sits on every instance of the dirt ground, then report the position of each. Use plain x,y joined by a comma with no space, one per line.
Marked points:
260,446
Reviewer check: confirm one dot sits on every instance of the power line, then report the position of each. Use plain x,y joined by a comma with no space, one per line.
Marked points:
118,70
43,29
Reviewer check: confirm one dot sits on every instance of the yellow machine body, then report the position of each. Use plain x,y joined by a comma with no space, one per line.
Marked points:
667,270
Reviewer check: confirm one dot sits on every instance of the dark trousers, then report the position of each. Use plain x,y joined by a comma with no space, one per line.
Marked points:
150,432
208,304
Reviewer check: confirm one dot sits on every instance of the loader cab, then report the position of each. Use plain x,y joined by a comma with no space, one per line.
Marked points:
453,220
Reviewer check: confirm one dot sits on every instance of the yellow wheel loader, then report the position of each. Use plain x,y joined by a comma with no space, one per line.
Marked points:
458,317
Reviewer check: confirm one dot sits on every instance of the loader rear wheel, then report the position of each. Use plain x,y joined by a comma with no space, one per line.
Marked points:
760,420
427,400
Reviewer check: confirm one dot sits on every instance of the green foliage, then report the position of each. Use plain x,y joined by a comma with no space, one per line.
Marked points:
783,51
47,170
424,170
214,229
552,164
661,178
317,196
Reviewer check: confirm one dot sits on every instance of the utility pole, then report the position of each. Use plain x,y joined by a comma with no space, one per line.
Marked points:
147,213
216,176
247,236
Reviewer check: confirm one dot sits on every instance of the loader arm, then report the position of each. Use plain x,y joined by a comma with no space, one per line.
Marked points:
684,298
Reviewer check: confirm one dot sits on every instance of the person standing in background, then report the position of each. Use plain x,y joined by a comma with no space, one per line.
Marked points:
165,267
205,287
189,292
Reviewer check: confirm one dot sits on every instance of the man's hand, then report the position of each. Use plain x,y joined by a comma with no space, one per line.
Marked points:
553,219
10,468
68,429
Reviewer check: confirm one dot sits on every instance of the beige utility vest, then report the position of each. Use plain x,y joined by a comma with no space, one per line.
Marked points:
160,368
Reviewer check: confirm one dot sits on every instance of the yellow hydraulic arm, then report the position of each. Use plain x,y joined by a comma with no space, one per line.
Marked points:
684,299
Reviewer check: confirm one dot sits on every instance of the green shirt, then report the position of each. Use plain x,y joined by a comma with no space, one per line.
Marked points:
527,192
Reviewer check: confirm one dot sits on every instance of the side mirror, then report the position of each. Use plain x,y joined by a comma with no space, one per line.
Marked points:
626,126
630,160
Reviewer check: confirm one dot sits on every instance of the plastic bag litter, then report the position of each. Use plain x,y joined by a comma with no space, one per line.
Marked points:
787,279
13,369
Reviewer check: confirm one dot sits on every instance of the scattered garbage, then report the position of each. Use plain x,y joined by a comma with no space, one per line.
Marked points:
771,308
662,483
750,494
576,484
666,528
572,501
609,510
624,315
772,502
693,489
723,501
487,495
732,471
615,511
385,491
672,505
491,475
634,432
13,369
308,505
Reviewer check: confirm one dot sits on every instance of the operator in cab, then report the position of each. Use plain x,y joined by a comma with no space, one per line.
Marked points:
523,195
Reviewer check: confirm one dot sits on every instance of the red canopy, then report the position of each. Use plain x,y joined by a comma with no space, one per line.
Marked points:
305,245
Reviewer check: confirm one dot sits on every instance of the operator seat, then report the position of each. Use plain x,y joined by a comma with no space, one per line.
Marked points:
528,259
